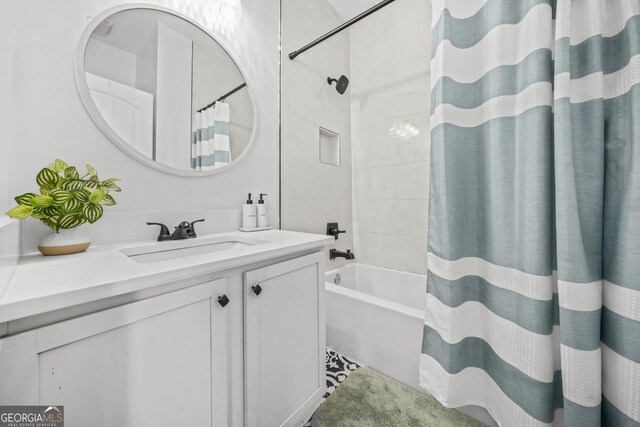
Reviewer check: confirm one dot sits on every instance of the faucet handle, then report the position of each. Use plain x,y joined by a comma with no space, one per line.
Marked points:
164,231
334,230
192,231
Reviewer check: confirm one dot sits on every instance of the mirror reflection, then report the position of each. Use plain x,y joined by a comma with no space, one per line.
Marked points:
168,90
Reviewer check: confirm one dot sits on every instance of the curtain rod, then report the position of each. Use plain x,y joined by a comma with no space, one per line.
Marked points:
347,24
223,97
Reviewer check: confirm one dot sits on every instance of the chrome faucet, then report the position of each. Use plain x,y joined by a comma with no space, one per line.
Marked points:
334,253
184,230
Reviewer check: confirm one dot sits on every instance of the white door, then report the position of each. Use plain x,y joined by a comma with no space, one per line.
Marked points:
127,110
284,342
148,363
173,93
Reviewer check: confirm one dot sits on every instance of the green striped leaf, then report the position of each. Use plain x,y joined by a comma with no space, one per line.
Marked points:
58,166
45,190
60,196
91,170
71,173
91,184
25,199
41,201
108,201
47,177
110,186
92,212
49,222
70,221
38,213
53,211
71,206
73,185
82,196
97,195
20,212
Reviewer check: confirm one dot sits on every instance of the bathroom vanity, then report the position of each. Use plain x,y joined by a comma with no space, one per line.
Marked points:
221,330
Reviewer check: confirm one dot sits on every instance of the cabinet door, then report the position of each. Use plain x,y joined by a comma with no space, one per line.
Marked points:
284,342
148,363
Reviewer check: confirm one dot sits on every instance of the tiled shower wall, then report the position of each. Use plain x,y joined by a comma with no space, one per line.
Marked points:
314,193
390,103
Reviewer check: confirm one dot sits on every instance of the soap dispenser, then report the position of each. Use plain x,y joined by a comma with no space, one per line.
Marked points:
249,214
263,218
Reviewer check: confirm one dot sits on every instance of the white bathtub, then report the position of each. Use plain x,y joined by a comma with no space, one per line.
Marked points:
375,316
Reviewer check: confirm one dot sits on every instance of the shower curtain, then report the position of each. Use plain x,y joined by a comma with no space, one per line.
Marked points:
533,288
210,146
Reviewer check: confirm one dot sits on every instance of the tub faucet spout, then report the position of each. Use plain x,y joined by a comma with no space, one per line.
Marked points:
334,253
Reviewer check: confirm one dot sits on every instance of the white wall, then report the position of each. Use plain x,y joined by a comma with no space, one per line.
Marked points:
9,230
390,60
351,8
314,193
8,133
43,118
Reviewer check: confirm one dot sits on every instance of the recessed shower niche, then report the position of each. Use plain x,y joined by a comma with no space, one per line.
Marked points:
329,147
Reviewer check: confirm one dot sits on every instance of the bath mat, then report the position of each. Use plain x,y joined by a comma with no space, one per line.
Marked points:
368,398
338,369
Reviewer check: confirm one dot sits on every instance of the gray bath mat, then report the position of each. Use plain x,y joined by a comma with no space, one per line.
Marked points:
368,398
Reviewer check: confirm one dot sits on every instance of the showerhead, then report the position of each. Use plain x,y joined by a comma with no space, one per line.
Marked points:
341,84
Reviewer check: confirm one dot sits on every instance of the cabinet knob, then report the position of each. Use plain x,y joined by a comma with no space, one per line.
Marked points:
223,300
257,289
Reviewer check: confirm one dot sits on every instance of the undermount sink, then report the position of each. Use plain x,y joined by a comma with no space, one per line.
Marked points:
163,251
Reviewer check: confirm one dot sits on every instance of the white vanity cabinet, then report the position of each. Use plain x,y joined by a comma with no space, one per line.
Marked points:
284,341
181,356
154,362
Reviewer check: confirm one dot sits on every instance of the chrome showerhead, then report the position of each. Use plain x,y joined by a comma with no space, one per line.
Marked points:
341,84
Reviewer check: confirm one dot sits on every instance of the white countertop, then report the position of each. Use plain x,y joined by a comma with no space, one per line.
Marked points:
42,284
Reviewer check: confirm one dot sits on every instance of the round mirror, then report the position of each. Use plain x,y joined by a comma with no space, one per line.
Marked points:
165,91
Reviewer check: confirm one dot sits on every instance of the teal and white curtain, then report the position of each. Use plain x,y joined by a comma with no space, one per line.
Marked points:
210,147
533,293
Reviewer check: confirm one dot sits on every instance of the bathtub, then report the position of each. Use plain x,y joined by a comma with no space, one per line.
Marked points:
375,316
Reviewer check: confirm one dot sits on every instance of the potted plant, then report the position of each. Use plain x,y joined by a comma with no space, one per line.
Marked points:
65,201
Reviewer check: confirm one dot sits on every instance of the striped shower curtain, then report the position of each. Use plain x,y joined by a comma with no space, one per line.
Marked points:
533,289
210,145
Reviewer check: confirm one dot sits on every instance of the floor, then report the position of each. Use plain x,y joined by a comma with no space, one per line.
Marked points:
338,368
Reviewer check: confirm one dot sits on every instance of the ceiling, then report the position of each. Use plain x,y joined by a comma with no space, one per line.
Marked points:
347,9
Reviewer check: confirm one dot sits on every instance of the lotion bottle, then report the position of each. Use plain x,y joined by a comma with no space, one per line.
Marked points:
249,214
263,218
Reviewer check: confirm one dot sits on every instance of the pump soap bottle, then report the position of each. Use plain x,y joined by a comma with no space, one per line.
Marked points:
249,214
263,219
